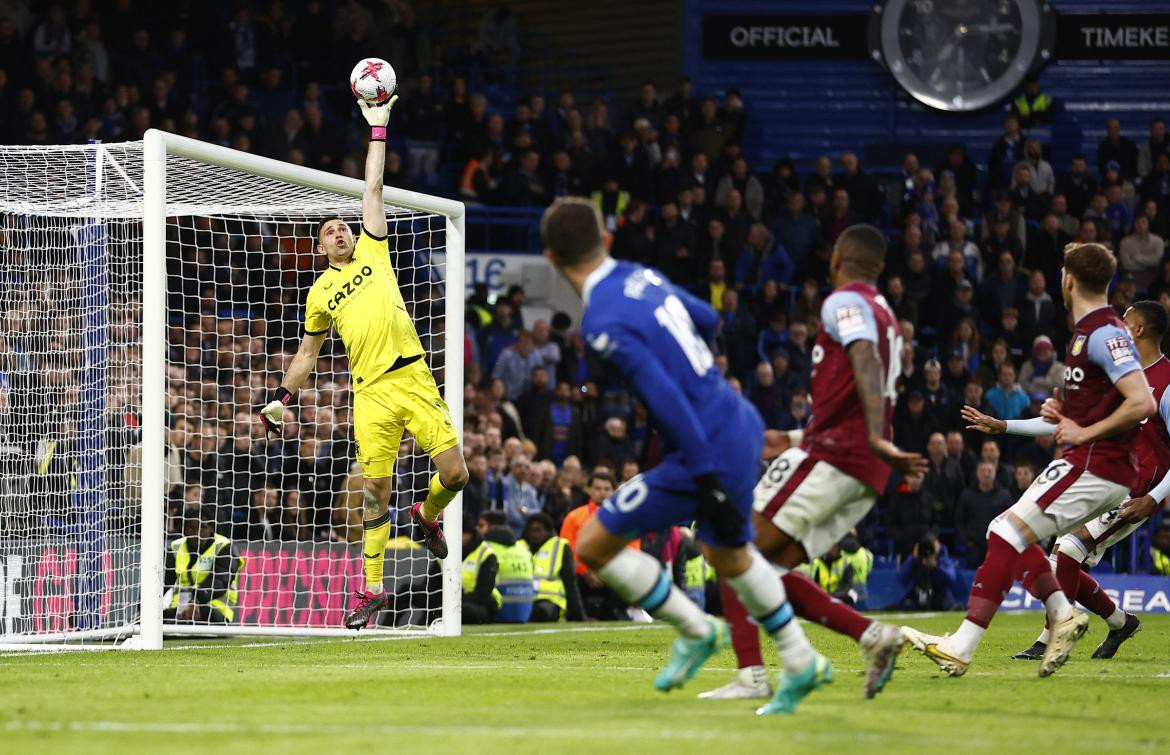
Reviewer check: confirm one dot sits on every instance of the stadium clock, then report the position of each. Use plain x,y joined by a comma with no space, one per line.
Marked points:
961,55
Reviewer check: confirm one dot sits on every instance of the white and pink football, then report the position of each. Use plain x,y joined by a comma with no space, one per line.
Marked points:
373,80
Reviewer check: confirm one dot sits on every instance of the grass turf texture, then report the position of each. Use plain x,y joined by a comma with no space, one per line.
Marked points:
515,690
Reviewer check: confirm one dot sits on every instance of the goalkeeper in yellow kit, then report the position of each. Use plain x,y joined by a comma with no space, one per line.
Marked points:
358,297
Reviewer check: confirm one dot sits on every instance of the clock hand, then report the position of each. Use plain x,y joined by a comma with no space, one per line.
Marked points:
991,28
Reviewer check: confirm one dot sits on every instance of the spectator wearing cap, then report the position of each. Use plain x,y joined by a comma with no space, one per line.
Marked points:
956,373
1006,398
951,314
1115,147
1141,253
1113,176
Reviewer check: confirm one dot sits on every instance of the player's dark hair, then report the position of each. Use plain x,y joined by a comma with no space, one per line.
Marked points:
863,245
603,476
571,229
321,226
494,517
1154,315
1092,265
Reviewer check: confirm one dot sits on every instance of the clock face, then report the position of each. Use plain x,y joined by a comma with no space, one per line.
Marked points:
960,54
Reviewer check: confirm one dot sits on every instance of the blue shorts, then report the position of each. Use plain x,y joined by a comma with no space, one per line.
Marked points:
665,495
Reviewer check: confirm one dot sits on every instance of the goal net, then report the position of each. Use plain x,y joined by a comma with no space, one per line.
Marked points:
152,298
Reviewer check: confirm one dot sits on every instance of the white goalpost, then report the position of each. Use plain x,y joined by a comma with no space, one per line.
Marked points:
153,297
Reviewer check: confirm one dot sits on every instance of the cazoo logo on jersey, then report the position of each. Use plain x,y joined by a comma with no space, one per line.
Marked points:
350,286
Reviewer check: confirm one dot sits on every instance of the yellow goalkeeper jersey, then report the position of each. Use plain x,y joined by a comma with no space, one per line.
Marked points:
362,303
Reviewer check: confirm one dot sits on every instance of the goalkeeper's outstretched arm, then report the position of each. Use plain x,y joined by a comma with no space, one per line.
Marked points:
373,209
272,415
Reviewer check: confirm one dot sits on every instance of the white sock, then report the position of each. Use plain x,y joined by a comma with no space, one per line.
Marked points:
1057,606
639,579
375,589
964,641
1044,636
753,676
762,594
1116,619
872,634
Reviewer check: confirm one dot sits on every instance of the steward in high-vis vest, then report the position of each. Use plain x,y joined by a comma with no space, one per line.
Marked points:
514,578
481,599
843,571
1033,106
554,575
202,573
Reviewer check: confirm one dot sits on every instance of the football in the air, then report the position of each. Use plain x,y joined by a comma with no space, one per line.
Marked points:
373,80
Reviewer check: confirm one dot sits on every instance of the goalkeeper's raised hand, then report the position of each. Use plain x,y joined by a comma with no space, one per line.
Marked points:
272,415
377,114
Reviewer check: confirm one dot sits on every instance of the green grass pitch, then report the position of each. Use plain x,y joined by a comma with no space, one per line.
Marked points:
568,689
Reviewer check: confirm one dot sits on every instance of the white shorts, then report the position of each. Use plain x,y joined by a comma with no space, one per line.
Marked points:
1062,498
811,501
1104,532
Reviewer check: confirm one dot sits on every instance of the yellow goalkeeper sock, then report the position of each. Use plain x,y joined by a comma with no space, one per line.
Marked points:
437,499
375,533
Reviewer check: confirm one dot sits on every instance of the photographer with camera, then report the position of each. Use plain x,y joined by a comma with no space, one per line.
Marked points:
927,577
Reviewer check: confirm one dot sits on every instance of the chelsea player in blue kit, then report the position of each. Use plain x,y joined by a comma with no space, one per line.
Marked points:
654,337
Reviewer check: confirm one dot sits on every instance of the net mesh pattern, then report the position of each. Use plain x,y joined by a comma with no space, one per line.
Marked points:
240,260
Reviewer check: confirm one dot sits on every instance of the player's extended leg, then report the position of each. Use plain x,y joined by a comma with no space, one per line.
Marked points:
751,680
375,535
445,484
880,642
1086,546
1012,554
640,580
762,594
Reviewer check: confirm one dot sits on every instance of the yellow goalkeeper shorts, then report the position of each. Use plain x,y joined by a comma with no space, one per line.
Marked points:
406,399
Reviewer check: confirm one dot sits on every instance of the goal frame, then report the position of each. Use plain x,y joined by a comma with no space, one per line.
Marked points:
157,145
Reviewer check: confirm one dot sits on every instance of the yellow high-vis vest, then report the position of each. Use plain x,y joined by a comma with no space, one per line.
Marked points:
546,572
471,566
192,572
